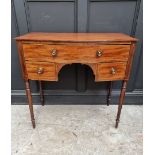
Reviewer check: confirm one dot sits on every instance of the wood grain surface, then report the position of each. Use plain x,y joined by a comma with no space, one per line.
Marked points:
76,54
105,71
49,72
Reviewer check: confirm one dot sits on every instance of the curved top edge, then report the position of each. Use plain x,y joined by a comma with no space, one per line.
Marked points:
76,37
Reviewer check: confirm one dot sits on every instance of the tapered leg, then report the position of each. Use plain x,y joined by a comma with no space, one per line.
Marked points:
41,93
29,97
109,93
121,99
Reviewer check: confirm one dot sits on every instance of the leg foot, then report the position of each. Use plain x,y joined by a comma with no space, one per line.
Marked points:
121,100
29,97
33,124
116,125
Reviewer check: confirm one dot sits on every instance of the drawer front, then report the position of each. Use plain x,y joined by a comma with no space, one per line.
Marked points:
111,71
41,71
85,53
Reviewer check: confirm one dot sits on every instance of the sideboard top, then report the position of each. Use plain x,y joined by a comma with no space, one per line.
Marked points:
76,37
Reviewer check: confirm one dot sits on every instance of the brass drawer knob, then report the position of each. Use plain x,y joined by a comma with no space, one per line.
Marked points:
113,71
40,70
54,52
99,53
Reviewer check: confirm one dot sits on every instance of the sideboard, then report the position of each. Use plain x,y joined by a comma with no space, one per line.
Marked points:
43,55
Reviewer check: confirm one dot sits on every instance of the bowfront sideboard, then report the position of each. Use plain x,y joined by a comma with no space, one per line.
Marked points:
109,55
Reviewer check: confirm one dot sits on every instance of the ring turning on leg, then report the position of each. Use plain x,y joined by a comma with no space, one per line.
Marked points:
41,93
109,93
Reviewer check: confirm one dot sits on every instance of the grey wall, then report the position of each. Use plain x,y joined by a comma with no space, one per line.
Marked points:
76,82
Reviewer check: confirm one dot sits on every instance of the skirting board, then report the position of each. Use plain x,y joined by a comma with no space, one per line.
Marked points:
63,97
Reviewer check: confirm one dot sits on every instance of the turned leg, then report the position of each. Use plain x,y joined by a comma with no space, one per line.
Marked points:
121,99
29,97
41,93
109,93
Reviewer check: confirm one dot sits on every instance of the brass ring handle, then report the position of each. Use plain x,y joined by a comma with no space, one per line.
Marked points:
54,52
99,53
113,71
40,70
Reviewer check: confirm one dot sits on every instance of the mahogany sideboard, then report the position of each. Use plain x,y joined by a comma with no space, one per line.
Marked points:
109,55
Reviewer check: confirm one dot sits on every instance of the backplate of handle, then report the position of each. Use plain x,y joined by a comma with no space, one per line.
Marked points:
54,52
113,70
40,70
99,53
